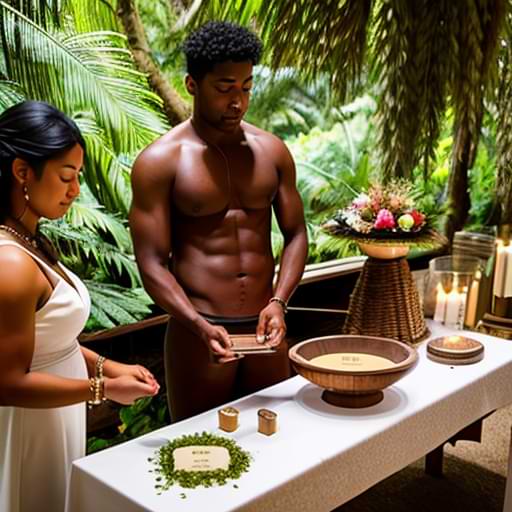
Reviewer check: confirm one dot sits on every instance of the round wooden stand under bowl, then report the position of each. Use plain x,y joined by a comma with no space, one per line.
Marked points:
354,385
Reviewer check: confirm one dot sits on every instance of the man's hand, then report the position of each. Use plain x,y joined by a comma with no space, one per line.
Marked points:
271,324
218,341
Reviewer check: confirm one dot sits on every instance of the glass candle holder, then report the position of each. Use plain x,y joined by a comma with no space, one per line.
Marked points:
453,288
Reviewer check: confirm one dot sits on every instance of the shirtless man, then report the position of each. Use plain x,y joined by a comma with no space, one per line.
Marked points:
201,225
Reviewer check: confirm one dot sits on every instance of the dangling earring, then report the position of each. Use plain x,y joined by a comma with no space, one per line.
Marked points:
25,195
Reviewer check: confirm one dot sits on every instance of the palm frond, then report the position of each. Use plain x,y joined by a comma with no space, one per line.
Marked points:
396,65
80,246
436,57
10,94
87,212
113,305
43,12
316,37
504,133
90,15
82,72
106,174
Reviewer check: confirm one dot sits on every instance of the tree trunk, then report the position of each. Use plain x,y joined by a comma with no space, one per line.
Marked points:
458,200
503,194
175,108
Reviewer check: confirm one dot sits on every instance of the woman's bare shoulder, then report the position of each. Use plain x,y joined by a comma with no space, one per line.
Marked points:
20,276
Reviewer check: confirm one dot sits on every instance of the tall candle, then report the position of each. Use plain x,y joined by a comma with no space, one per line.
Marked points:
453,301
500,268
507,281
472,304
440,311
455,305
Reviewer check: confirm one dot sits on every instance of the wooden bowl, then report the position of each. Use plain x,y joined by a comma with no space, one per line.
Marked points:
353,387
384,251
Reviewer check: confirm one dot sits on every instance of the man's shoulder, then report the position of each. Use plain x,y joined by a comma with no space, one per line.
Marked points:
261,135
164,153
270,143
168,144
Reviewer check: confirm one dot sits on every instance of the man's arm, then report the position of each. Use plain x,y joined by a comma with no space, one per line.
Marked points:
289,213
290,217
150,223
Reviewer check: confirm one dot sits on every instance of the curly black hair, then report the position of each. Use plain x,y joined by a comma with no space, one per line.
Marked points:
219,41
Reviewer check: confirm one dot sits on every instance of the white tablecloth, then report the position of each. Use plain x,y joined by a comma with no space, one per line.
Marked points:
322,456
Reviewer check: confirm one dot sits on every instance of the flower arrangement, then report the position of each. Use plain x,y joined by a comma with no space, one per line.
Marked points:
383,211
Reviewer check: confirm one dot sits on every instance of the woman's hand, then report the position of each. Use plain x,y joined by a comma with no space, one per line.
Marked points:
125,389
114,369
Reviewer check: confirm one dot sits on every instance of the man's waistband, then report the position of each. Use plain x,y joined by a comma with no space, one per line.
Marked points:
230,320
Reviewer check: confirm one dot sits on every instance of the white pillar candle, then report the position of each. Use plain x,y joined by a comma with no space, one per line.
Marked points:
440,311
455,308
500,268
507,281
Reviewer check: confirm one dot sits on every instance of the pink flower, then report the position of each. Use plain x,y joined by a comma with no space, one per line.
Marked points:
384,220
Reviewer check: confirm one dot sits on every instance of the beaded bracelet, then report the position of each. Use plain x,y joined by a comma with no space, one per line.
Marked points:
97,389
99,367
281,302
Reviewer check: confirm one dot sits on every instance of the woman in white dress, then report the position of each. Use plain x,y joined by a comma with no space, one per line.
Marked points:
45,376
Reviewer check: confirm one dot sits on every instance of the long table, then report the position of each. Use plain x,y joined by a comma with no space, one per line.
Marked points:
322,456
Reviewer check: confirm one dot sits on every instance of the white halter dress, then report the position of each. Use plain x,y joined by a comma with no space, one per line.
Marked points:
37,446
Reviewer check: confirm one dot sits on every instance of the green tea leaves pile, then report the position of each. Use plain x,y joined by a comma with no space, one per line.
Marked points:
167,475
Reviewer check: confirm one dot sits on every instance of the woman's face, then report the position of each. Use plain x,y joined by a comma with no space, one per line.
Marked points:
51,195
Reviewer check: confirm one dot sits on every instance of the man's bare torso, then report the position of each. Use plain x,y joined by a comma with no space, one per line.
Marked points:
221,200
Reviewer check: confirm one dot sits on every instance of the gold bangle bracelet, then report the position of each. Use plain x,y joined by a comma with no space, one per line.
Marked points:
97,389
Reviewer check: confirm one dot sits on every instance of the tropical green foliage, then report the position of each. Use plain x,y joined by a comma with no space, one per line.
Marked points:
423,58
70,55
145,415
332,167
428,66
282,103
420,53
165,31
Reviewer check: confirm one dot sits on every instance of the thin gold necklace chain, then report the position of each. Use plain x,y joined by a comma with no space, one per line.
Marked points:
230,190
226,161
224,157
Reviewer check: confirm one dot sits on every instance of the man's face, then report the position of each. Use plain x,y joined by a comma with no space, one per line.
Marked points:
221,98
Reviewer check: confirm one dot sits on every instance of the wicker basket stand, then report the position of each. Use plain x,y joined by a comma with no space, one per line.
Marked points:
385,303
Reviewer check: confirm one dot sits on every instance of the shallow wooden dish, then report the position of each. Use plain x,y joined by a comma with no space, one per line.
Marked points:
383,251
353,388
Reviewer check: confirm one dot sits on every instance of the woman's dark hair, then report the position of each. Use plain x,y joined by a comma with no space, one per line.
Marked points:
216,42
35,132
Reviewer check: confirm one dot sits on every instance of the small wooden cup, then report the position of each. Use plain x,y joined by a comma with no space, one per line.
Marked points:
267,422
228,419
